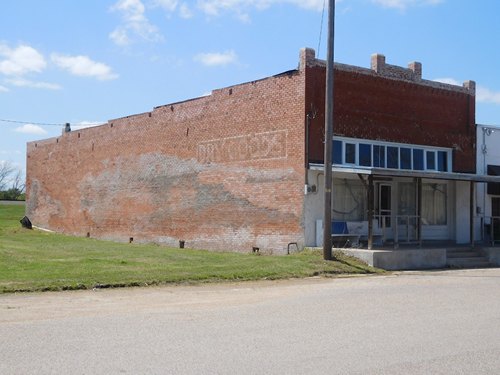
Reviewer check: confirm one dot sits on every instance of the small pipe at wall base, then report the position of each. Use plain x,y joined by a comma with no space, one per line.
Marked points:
292,244
43,229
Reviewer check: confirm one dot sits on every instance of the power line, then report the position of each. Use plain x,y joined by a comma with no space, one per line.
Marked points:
321,28
31,122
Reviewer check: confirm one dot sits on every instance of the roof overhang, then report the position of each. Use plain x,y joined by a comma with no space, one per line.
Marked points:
407,173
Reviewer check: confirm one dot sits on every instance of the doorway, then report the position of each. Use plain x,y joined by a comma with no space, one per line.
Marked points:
495,217
384,211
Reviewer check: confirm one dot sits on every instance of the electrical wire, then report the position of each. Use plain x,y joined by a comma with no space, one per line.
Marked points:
33,123
321,27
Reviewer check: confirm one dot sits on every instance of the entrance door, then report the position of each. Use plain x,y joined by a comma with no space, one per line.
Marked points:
384,205
495,220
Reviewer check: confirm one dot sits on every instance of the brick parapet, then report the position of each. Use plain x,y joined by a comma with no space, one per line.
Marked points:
378,67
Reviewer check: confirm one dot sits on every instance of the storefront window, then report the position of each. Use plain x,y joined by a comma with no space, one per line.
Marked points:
337,152
405,155
392,157
349,200
365,155
379,156
350,153
434,204
418,159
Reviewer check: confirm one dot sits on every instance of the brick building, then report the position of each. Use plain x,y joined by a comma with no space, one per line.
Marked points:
227,171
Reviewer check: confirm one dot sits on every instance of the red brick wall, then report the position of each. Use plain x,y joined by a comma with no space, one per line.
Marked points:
223,172
375,107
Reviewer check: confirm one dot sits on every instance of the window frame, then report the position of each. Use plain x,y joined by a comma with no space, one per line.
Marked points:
441,155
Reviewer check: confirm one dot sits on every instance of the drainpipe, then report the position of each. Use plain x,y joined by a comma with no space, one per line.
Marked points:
484,149
306,162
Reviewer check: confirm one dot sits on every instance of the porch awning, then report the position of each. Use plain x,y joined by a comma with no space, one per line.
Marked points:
493,187
408,173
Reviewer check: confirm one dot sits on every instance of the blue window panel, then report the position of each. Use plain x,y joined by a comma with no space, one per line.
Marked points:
379,156
442,161
405,155
418,159
350,153
431,160
392,157
337,152
365,155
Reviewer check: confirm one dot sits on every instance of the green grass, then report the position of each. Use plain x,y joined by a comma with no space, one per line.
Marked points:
32,260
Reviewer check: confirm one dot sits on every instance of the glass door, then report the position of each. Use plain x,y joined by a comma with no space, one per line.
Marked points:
495,220
384,211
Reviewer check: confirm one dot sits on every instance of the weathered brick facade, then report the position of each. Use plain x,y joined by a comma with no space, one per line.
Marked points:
223,171
226,171
394,104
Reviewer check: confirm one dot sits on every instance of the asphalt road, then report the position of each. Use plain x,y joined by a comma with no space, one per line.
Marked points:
410,323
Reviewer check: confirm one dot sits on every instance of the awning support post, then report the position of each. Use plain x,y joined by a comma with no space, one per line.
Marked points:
471,213
370,211
419,211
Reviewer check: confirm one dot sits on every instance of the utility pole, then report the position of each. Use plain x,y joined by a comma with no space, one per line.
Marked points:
327,217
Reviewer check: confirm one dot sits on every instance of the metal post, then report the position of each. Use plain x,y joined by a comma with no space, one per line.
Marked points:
419,210
327,230
471,209
370,212
492,231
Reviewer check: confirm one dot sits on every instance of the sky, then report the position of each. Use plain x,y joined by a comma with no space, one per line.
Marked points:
87,62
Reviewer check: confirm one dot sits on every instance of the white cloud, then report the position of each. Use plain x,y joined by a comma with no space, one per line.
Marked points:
31,129
404,4
485,95
171,6
185,12
86,124
20,60
120,37
450,81
242,7
216,59
3,89
135,23
83,66
21,82
168,5
215,7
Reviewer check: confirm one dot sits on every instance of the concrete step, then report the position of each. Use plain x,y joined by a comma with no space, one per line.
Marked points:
474,262
466,258
462,254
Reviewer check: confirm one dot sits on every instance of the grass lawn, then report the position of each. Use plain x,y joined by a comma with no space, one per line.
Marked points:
33,260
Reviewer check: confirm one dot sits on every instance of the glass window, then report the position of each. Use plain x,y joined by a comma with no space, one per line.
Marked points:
389,155
431,159
407,204
405,155
350,153
418,159
434,207
442,161
379,156
337,152
365,155
392,157
349,200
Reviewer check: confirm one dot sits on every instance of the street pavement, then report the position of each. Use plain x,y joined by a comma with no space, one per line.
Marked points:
442,322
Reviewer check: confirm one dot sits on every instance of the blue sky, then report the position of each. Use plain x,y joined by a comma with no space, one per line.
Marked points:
85,62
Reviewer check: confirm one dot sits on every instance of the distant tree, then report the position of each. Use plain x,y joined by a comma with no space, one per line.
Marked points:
13,177
6,169
18,181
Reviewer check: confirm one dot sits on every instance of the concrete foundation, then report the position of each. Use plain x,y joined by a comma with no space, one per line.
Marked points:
407,259
493,254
